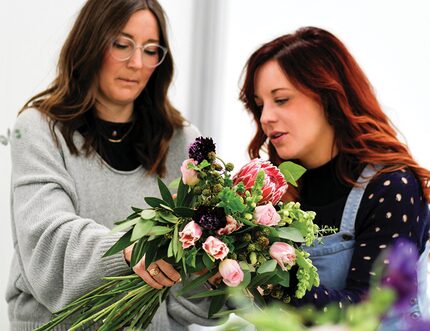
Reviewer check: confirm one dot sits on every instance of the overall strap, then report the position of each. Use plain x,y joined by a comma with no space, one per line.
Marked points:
354,198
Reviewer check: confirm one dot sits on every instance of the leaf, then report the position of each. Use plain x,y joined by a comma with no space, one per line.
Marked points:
170,249
165,193
204,164
199,281
284,276
148,214
180,253
124,225
267,266
154,202
138,252
209,293
141,229
151,252
122,243
246,279
291,171
159,230
169,217
208,261
136,210
181,193
184,212
216,304
174,183
291,233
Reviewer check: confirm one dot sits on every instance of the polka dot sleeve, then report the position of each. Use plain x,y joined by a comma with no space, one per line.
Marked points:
392,207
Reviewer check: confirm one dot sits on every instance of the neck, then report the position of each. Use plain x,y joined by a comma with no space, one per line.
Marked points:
114,113
320,158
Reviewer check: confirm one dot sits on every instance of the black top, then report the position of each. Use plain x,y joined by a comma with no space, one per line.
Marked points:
114,143
392,206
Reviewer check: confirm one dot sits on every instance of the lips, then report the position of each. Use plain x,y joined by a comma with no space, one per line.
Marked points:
277,136
130,81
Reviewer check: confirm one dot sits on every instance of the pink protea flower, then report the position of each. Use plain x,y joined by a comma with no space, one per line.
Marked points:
274,186
232,274
215,247
190,234
283,253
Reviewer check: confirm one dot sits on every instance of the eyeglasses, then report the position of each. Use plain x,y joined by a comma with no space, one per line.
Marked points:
123,48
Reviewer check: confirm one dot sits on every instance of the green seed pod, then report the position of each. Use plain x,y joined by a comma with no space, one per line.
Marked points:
229,166
252,258
247,237
217,188
206,192
251,247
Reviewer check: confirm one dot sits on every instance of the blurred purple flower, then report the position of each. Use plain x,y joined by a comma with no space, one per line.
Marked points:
400,273
200,149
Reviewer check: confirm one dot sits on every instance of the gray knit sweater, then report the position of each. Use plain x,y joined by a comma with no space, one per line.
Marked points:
62,208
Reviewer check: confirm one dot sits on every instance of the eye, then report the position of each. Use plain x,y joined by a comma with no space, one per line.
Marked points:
281,101
152,50
122,44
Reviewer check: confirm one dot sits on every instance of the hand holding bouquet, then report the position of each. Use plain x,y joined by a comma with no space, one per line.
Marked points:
236,226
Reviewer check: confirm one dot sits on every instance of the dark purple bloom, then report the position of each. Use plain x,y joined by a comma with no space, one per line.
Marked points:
210,218
401,272
200,149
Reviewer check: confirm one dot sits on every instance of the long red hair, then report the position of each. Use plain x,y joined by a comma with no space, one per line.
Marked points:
318,64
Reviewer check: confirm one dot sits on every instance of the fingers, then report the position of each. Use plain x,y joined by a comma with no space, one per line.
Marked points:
158,274
215,280
169,271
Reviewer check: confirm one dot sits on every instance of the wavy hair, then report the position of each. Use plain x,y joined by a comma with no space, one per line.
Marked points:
70,99
319,65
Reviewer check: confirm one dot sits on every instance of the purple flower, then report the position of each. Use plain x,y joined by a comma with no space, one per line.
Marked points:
210,218
401,272
200,149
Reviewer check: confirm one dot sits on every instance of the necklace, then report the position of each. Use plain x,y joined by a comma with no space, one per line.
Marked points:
113,136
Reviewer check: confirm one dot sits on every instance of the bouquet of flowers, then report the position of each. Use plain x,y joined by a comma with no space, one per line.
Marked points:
215,222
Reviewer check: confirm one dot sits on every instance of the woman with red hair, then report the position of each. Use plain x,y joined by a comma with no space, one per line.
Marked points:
313,104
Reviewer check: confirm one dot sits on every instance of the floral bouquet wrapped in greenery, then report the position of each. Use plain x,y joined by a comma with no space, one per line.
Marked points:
215,222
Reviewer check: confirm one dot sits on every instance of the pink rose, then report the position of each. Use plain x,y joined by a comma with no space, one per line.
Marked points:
190,234
232,225
274,186
283,253
189,176
231,273
266,215
215,247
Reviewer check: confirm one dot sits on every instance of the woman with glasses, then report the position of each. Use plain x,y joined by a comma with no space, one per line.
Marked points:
90,147
313,104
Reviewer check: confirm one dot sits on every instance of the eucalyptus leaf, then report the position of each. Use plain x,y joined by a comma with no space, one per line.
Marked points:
154,202
159,230
175,241
291,171
181,193
138,252
169,217
291,233
141,229
124,225
148,214
268,266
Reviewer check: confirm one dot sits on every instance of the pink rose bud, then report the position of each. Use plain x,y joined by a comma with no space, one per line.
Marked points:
283,253
189,176
232,225
215,247
190,234
231,273
266,215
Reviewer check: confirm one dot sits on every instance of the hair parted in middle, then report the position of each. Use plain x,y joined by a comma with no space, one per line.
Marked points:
70,98
319,65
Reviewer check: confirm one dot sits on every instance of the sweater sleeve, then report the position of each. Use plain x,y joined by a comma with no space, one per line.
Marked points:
392,206
59,252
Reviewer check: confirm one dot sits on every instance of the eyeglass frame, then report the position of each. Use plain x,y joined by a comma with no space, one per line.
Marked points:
142,47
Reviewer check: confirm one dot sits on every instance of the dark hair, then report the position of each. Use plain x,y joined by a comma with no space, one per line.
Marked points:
71,97
318,64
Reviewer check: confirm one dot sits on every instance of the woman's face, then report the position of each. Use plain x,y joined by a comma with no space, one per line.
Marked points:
121,82
294,122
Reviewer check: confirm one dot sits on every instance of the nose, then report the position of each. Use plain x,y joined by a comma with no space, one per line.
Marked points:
136,60
268,115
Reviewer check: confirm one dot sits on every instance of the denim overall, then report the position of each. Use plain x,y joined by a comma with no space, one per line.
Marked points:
333,255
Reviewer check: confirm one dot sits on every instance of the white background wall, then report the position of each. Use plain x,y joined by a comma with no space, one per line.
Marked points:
388,37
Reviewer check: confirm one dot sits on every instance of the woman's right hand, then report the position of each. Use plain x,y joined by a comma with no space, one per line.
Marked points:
157,275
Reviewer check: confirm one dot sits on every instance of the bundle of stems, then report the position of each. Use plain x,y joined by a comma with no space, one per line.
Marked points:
121,302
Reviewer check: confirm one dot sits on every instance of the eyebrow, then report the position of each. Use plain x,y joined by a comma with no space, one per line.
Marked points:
125,34
274,91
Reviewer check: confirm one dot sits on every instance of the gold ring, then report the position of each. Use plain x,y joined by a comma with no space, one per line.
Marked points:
154,271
